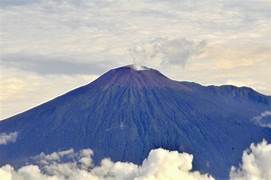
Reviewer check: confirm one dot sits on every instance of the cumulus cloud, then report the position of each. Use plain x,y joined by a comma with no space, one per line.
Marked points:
159,165
6,138
256,163
263,119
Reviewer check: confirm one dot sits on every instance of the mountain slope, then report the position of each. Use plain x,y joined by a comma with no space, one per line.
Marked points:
127,112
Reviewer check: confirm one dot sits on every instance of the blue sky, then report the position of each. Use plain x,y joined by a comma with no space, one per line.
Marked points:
49,47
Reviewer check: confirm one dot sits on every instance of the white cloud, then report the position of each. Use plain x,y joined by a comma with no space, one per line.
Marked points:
256,163
6,138
262,119
164,51
160,165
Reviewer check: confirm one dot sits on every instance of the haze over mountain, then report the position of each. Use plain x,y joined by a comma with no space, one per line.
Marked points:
130,110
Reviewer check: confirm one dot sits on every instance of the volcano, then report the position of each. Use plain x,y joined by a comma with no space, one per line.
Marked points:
129,110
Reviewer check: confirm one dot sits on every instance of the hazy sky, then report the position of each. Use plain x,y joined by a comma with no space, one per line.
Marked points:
49,47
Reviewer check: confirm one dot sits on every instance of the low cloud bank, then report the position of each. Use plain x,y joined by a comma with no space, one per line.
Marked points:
256,163
6,138
160,164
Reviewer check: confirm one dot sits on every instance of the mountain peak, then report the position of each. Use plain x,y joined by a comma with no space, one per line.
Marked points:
134,76
134,67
